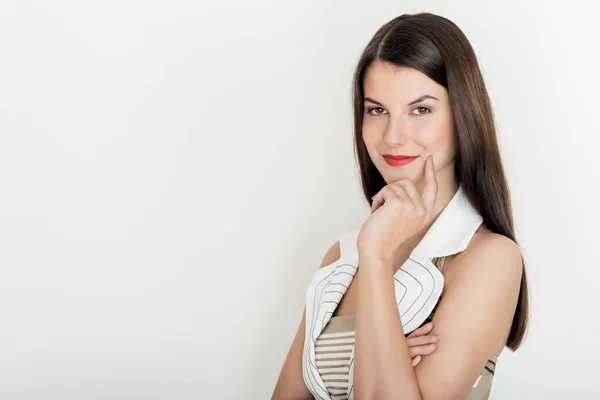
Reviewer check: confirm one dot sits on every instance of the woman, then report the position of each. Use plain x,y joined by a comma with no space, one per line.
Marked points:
419,302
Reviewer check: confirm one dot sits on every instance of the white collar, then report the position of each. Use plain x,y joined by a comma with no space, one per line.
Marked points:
418,282
452,230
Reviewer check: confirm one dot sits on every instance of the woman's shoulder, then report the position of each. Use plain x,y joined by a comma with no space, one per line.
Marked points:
331,255
487,252
341,253
487,243
328,262
344,249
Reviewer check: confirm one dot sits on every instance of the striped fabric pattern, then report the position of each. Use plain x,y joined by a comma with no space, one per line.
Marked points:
333,349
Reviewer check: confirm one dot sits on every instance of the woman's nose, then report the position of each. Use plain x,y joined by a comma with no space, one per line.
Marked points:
397,132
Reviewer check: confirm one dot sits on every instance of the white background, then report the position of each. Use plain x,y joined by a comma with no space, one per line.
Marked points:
172,173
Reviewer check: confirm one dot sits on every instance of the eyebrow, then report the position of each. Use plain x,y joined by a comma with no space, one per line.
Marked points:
425,96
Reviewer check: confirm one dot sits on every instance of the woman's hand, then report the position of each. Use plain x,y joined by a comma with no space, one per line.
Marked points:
421,342
398,213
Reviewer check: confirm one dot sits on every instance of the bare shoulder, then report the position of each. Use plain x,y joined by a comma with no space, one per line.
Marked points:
488,255
332,254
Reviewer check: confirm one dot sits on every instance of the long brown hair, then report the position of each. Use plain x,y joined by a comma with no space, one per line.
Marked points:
436,47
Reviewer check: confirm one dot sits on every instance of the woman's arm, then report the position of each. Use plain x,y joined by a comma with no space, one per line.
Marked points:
472,321
290,385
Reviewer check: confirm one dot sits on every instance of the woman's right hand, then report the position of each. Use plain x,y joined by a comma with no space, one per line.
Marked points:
421,342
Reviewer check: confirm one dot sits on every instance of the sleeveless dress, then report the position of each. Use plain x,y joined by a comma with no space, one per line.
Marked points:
418,287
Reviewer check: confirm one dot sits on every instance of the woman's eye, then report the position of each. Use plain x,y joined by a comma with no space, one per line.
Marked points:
427,110
375,108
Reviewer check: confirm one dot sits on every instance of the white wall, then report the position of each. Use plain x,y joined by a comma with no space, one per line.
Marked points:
171,174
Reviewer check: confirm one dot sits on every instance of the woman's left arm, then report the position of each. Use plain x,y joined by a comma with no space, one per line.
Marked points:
472,320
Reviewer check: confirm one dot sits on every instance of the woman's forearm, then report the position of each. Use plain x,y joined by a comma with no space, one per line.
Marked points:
383,367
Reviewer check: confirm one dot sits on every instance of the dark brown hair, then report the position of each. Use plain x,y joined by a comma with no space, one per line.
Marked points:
436,47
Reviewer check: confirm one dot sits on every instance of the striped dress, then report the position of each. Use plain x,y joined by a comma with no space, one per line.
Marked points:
334,345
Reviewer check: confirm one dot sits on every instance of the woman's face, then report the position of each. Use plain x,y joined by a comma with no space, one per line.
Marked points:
407,113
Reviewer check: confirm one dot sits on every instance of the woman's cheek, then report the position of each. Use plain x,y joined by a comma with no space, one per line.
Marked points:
426,136
431,135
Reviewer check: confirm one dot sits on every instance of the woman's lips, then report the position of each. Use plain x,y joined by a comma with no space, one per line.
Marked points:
397,161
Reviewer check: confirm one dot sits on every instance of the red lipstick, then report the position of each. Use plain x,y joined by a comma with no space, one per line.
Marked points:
396,161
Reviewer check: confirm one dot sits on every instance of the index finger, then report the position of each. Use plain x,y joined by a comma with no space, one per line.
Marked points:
431,187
